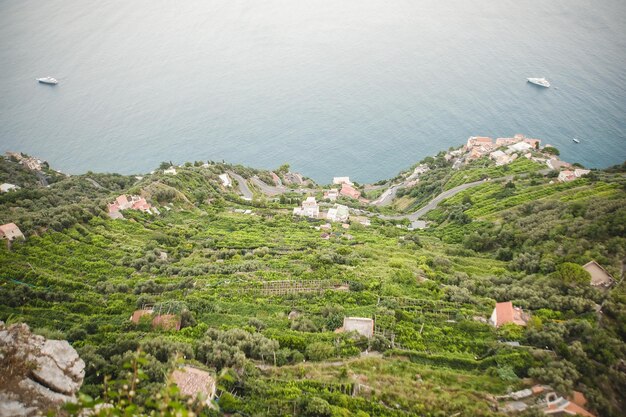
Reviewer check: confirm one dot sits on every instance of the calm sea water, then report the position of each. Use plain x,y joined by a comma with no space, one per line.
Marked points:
352,87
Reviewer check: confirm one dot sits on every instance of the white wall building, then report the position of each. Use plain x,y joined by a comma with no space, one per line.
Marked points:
342,180
309,208
339,213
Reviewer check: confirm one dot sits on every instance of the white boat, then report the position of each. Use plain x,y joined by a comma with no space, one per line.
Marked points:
48,80
576,140
539,81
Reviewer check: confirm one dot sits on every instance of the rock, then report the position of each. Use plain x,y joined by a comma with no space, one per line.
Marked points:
41,374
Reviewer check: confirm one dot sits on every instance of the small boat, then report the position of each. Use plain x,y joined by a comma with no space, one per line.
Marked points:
48,80
576,140
539,81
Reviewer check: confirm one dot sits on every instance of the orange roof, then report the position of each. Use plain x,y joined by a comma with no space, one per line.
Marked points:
138,314
9,228
347,190
506,313
579,398
482,139
167,322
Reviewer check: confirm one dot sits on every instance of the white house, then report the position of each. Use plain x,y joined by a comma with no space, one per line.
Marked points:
342,180
339,213
519,147
331,194
309,208
171,171
6,187
362,325
226,182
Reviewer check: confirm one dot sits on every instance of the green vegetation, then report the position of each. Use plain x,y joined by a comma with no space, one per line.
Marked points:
80,276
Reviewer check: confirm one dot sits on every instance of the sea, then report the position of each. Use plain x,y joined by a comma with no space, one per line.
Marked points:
359,88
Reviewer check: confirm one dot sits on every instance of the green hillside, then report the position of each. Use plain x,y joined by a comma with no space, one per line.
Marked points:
260,294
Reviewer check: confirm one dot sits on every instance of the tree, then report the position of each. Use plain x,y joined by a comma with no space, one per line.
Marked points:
551,150
571,275
319,351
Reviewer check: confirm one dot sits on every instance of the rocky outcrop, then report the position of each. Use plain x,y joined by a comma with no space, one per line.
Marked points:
37,375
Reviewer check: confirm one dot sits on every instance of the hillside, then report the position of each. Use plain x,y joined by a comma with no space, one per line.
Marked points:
258,293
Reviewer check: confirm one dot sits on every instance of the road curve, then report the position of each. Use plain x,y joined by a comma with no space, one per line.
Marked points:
243,185
432,204
268,189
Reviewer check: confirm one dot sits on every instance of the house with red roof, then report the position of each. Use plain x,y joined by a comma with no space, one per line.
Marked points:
349,191
505,313
10,231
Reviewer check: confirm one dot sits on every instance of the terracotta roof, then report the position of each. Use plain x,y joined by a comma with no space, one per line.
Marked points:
349,191
193,381
167,322
506,313
9,228
138,314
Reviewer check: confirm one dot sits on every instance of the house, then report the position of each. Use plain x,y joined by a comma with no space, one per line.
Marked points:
557,164
342,180
10,232
361,325
561,407
135,203
331,194
519,147
193,382
138,314
226,182
309,208
505,313
417,224
170,171
500,157
339,213
348,191
364,220
599,276
6,187
477,141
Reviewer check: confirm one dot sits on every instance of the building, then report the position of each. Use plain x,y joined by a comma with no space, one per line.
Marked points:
193,382
364,220
135,203
170,171
342,180
10,232
361,325
331,194
500,157
519,147
138,314
166,322
309,208
348,191
599,276
567,175
505,313
6,187
226,182
557,164
561,407
477,141
339,213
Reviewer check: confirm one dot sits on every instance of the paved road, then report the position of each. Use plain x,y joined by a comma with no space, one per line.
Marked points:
243,185
268,189
434,202
387,197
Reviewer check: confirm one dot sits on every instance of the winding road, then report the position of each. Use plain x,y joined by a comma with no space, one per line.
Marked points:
432,204
243,185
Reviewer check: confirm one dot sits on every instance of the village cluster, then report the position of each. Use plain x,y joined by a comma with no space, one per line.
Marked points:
503,151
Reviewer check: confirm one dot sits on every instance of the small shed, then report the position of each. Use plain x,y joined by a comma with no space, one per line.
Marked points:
10,231
362,325
193,382
166,322
599,276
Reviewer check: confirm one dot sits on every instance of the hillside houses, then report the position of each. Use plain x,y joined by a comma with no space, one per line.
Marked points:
331,194
10,232
479,146
309,208
348,191
567,175
135,203
505,312
339,213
